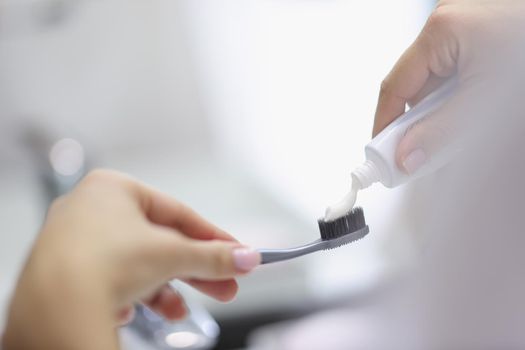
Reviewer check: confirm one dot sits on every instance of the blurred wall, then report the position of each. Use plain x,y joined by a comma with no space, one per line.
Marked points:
115,73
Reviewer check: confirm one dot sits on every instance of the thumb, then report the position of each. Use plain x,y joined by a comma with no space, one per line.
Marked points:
213,260
434,138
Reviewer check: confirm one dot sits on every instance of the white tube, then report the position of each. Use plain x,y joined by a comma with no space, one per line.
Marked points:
380,165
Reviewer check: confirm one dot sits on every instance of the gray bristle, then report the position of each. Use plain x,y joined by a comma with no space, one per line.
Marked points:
351,222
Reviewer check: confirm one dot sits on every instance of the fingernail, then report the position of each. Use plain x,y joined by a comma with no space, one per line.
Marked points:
246,259
414,161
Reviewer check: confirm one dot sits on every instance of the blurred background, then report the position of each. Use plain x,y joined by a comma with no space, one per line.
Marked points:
253,112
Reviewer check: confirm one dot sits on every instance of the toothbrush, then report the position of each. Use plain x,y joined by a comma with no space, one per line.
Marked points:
334,234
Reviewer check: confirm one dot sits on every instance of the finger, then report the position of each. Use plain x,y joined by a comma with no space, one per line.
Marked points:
433,82
434,52
211,260
404,81
159,208
125,315
166,211
171,255
168,303
432,136
220,290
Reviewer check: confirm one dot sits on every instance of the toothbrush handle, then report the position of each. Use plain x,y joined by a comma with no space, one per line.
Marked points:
274,255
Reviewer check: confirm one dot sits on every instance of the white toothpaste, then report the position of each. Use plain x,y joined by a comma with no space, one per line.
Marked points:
344,206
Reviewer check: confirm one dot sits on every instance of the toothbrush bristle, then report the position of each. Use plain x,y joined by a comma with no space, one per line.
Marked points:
351,222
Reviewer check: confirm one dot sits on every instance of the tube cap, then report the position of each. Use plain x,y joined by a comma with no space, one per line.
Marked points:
366,174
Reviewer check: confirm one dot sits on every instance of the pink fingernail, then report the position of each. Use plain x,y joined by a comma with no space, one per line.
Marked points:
414,161
246,259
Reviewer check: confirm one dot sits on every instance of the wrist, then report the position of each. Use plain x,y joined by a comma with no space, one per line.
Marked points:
56,299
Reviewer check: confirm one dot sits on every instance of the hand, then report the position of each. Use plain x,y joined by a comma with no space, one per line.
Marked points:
480,42
110,243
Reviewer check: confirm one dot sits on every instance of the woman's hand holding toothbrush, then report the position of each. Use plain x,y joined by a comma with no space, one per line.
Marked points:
109,243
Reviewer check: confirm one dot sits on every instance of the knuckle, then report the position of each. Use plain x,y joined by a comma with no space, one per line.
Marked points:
385,88
56,204
221,262
438,19
103,176
441,38
98,175
442,20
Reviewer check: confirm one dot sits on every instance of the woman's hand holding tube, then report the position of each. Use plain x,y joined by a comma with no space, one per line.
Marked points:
110,243
477,42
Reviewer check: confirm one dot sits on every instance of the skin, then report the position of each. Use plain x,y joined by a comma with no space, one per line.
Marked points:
110,243
475,40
